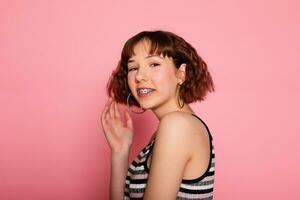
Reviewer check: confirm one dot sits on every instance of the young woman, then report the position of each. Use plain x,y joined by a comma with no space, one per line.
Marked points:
161,72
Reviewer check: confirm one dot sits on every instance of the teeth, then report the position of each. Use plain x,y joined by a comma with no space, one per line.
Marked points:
144,91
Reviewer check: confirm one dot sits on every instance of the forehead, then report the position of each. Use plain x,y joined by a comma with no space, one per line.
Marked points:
143,49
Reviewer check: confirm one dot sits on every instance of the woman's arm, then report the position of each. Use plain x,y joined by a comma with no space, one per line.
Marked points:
119,167
170,155
119,136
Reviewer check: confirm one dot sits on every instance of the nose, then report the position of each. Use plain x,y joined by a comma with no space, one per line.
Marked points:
141,74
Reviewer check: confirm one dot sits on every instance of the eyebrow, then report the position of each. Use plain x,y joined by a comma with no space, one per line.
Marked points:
149,56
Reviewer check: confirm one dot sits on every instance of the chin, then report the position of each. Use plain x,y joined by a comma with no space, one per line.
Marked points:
146,105
149,105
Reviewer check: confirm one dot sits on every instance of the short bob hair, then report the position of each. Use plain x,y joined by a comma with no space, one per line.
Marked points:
198,80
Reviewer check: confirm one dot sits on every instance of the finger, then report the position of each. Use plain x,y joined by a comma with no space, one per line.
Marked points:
109,134
103,118
110,137
113,95
111,109
107,101
105,110
107,115
105,127
128,119
108,108
117,111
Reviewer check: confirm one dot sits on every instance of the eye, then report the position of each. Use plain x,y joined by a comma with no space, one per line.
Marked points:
131,69
154,64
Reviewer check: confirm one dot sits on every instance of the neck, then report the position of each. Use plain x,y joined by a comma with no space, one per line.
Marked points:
161,111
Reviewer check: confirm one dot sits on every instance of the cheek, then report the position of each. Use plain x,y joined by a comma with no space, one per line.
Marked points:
164,77
130,81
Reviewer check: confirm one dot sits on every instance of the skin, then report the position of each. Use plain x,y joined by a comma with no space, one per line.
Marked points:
176,131
163,77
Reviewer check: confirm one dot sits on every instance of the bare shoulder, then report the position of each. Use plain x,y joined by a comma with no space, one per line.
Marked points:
176,116
184,120
182,125
174,121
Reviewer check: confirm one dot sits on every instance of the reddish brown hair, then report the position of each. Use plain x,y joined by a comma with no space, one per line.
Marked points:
198,79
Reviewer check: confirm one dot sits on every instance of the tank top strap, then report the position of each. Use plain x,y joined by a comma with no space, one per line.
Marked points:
210,136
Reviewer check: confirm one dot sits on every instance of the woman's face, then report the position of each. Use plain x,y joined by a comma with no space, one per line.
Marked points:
152,71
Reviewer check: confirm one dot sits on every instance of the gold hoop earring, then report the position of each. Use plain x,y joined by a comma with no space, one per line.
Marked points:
129,106
178,99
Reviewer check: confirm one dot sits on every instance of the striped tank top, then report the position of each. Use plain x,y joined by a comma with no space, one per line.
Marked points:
199,188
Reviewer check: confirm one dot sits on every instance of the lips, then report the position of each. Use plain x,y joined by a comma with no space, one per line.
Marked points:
144,88
144,91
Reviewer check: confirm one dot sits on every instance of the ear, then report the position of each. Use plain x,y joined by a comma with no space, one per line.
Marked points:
181,73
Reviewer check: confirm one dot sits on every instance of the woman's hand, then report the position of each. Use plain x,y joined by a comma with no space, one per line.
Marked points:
119,135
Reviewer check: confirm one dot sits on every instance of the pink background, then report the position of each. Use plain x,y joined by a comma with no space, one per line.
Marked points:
56,58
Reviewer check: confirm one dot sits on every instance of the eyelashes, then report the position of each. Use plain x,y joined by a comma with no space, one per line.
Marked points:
152,64
155,64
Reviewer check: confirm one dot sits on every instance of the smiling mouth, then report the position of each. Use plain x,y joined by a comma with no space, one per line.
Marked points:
145,94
